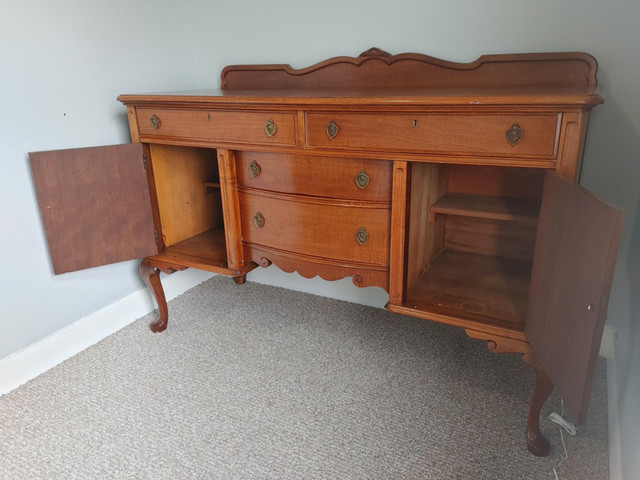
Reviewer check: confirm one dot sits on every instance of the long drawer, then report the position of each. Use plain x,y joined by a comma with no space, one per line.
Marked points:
241,127
512,135
309,226
357,179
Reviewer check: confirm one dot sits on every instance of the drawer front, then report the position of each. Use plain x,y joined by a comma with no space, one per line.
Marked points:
326,230
219,125
505,135
357,179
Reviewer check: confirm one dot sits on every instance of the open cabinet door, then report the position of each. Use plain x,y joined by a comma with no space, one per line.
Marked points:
95,205
575,255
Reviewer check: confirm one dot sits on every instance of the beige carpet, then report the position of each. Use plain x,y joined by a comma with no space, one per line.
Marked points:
256,382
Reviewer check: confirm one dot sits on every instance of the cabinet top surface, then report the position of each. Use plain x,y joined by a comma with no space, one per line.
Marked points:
391,97
376,78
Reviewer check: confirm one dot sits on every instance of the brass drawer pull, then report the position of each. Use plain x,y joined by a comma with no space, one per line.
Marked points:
362,179
332,130
270,128
514,134
258,220
155,122
361,236
254,169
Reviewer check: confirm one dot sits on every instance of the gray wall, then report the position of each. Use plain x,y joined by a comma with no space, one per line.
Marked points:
63,63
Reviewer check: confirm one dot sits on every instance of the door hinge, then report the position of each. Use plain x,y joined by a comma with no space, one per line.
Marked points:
144,160
155,236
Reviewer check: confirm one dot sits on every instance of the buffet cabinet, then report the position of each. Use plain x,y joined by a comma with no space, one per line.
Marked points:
453,187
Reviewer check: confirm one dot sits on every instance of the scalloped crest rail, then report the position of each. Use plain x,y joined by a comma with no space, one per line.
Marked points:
376,68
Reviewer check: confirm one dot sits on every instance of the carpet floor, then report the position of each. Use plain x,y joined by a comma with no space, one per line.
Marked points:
257,382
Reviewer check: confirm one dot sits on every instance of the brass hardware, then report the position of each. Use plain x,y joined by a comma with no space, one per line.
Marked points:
270,128
514,134
208,117
362,180
254,169
415,122
332,130
361,236
258,220
155,122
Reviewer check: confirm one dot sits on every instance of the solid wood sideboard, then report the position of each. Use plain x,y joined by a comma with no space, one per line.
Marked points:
451,186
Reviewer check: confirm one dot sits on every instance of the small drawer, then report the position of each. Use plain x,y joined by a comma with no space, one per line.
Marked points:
319,229
357,179
272,128
512,135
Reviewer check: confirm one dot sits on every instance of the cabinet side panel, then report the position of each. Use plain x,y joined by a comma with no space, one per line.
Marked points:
95,205
133,124
426,232
571,145
186,207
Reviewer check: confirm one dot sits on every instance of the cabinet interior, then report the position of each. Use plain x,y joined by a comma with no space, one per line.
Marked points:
471,239
187,184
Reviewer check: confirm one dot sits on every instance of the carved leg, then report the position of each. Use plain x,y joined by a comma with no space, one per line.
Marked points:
536,442
150,273
240,280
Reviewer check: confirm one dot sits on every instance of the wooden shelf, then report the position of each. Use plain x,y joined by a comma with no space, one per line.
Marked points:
206,250
465,287
211,186
524,210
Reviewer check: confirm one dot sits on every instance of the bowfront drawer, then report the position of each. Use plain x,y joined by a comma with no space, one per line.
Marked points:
273,128
355,233
357,179
512,135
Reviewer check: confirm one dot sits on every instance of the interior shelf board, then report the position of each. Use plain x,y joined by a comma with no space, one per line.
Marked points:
483,288
211,186
492,207
206,248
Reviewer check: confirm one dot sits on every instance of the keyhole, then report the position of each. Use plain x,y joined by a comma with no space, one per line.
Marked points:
415,122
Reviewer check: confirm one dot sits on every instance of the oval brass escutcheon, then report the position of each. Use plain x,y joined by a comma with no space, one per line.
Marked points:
258,220
155,122
361,236
514,134
362,179
332,130
254,169
270,128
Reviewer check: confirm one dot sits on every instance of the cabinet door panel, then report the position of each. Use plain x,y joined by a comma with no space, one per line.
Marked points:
575,254
95,205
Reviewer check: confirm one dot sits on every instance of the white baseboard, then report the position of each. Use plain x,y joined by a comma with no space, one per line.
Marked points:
615,455
26,364
607,345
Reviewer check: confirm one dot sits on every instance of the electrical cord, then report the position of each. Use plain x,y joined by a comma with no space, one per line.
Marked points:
568,427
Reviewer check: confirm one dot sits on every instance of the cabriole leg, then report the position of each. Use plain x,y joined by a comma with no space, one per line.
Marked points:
536,442
150,273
